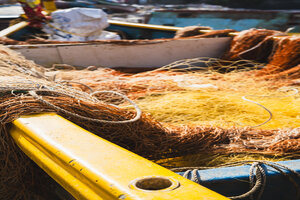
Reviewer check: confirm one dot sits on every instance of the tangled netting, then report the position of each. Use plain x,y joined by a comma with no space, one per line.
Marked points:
26,88
229,92
280,52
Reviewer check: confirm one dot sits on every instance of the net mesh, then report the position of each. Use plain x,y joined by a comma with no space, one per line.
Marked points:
190,107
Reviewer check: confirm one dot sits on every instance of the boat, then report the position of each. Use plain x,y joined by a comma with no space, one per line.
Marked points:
141,39
77,167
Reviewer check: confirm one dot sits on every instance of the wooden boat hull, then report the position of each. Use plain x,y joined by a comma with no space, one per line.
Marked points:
130,54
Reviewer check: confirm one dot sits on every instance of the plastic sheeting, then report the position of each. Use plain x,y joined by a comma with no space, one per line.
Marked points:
79,24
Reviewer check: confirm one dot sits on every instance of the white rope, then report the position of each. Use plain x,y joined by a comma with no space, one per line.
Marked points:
137,108
270,113
40,98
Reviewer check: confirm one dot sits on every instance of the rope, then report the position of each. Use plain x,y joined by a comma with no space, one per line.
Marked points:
259,173
194,175
257,176
40,98
136,107
270,113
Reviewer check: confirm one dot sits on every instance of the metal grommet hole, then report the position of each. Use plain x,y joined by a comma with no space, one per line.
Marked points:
155,183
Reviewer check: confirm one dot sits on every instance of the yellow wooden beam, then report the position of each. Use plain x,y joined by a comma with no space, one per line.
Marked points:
146,26
89,167
12,29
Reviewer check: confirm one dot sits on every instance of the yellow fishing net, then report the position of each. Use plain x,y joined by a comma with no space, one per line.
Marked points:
217,107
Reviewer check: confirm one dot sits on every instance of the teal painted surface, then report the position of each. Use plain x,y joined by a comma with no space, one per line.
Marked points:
238,21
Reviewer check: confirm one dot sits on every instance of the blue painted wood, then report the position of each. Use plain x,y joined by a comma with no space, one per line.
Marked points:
232,181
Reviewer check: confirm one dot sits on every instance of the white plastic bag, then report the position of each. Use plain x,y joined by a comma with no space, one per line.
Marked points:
78,24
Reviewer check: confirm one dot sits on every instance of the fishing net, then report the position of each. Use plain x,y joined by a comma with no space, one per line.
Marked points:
252,44
280,53
216,92
180,95
25,91
189,108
